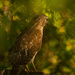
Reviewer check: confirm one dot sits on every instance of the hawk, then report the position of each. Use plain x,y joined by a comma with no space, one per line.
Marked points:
27,44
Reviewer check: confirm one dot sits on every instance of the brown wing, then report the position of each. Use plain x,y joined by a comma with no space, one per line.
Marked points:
19,49
25,47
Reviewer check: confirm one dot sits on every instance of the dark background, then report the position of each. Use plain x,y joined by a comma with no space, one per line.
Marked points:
57,54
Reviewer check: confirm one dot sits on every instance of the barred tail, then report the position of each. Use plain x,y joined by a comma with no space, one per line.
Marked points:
16,69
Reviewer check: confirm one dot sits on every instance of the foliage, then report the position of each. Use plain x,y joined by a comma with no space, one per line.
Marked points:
57,55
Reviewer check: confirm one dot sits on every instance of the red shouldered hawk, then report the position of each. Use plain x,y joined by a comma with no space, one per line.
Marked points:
27,44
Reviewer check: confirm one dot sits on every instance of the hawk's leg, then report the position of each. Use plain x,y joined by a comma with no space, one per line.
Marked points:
33,66
27,68
33,62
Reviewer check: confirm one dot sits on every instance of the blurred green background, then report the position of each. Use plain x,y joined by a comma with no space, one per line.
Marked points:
57,54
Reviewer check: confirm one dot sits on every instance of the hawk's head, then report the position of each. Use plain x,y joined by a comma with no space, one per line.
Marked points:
40,20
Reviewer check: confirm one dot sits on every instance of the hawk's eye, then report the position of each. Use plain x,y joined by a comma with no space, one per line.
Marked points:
47,19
